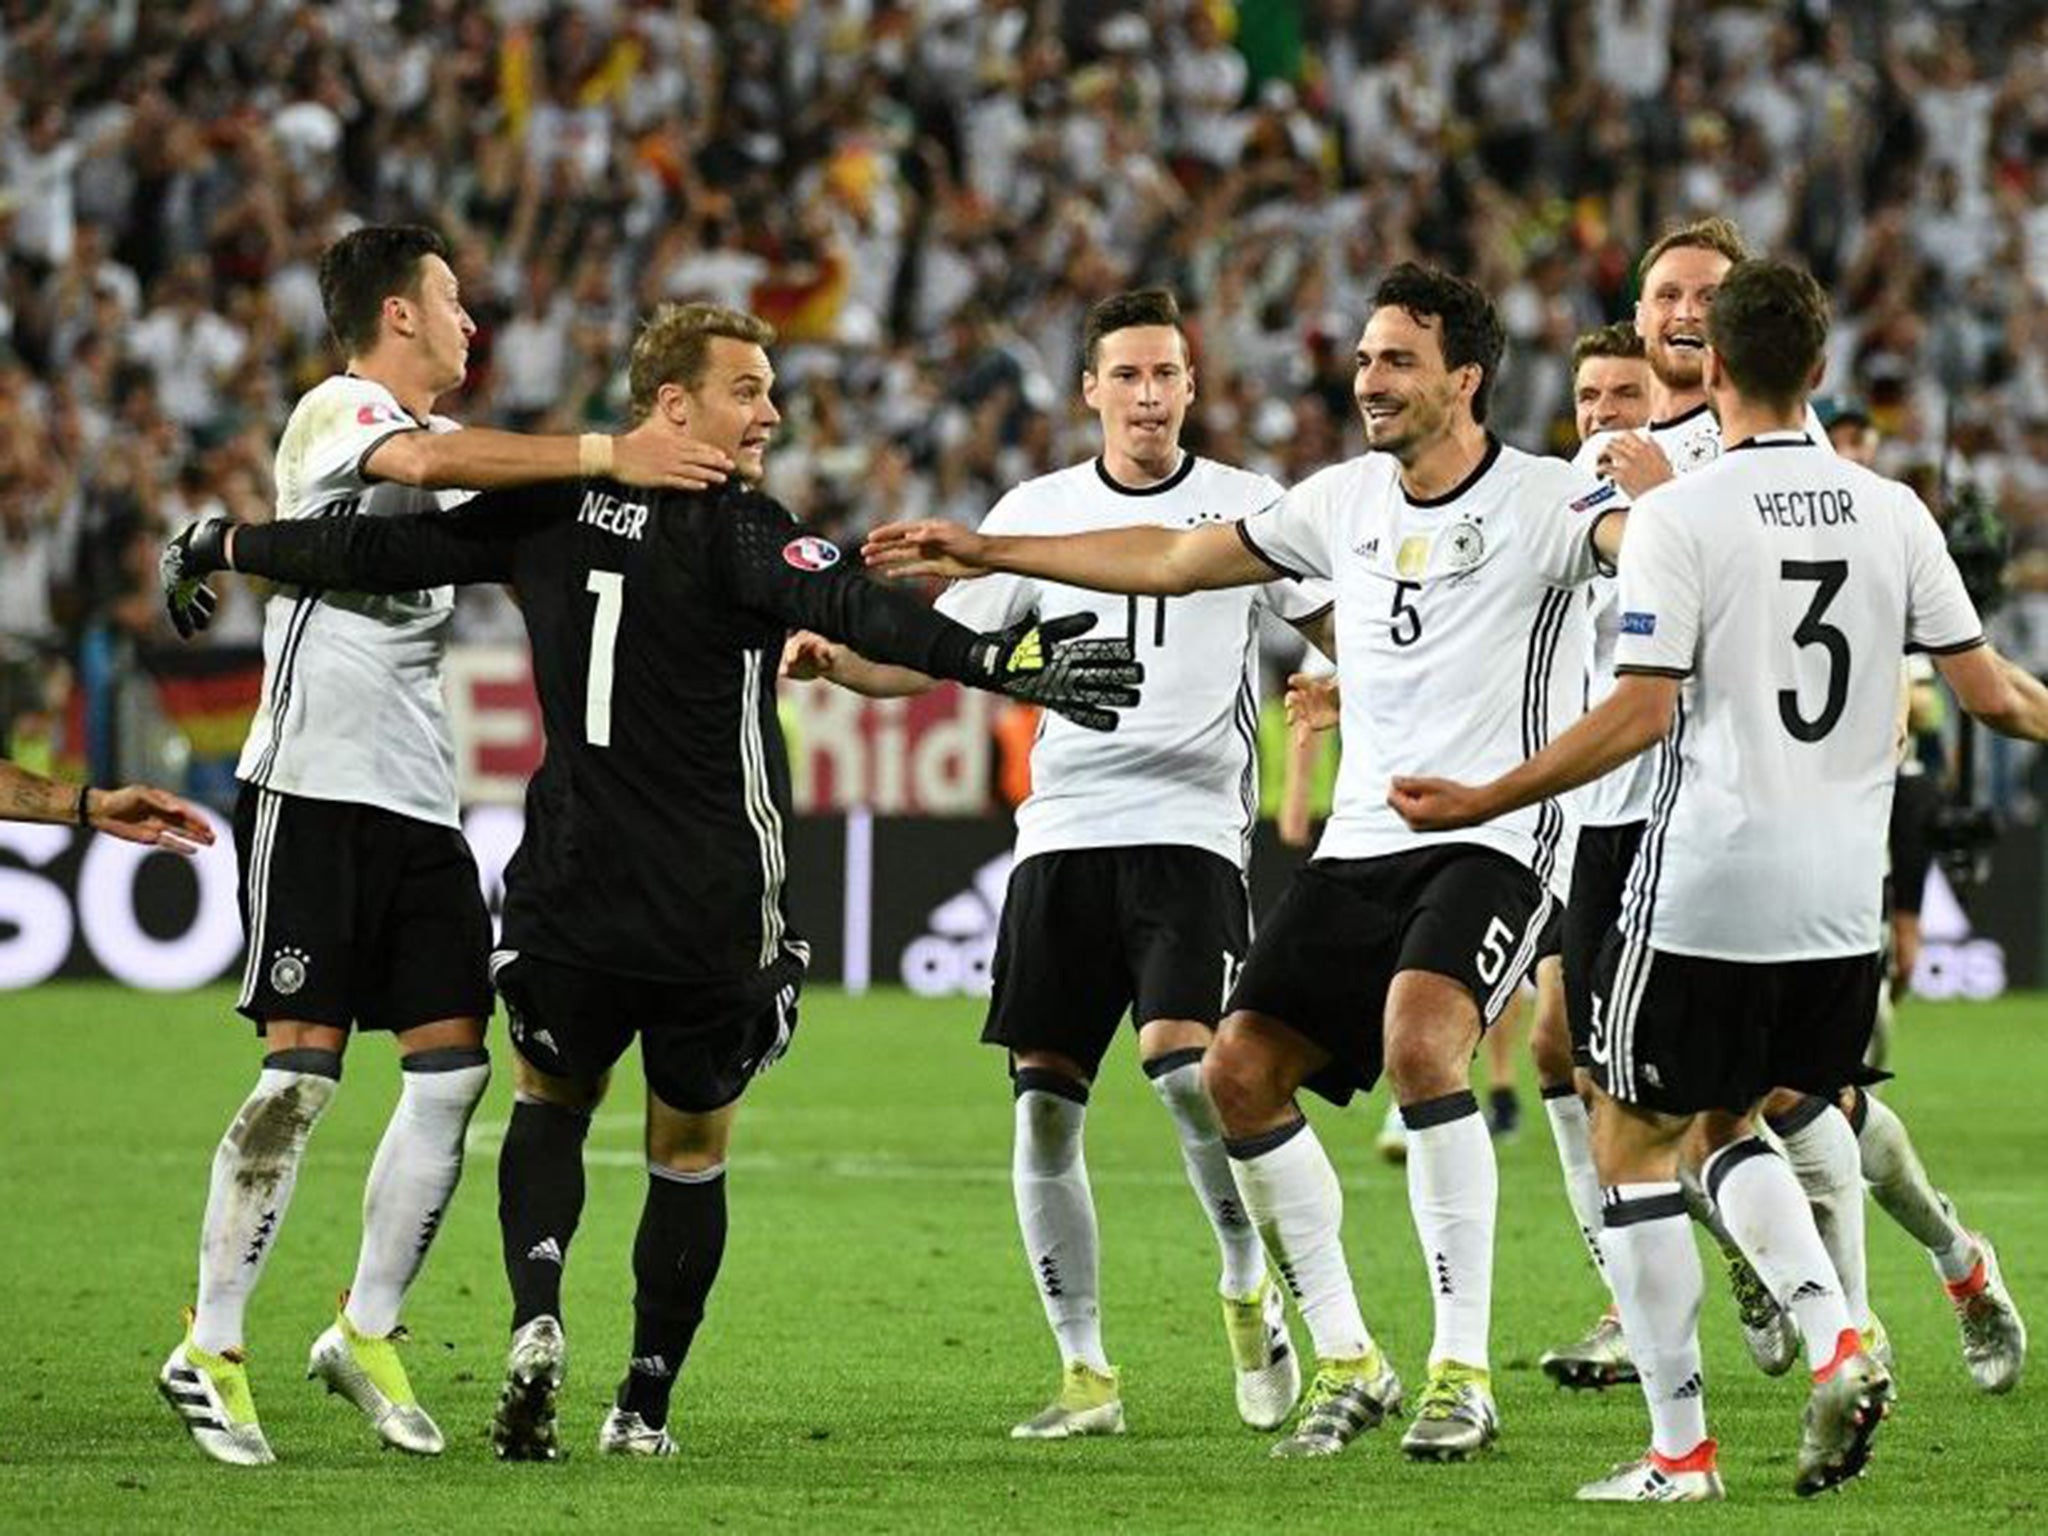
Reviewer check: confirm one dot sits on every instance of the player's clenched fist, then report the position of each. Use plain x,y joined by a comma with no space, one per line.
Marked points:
1437,805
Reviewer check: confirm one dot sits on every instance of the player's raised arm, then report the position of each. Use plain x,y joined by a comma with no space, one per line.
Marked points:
348,554
656,453
1149,562
799,580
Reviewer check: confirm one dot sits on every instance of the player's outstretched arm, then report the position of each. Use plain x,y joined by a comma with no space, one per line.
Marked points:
2006,697
656,453
1629,719
346,554
134,813
1150,562
808,658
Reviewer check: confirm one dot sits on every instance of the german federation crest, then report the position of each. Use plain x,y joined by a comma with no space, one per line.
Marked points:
1464,546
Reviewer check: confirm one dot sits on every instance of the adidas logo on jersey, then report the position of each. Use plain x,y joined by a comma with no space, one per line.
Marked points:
955,954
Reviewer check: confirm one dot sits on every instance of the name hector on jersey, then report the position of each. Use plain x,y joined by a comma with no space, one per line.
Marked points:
1828,507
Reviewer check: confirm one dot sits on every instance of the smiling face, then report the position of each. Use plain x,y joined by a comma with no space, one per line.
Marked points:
1141,387
1407,394
1671,316
1611,394
729,407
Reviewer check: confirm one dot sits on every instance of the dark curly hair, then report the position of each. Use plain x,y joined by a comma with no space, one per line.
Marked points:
1472,334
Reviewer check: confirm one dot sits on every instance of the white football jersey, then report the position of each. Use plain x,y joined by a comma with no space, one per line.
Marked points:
1182,767
1783,583
1690,442
352,707
1456,626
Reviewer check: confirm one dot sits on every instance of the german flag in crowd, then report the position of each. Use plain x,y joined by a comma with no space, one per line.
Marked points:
209,693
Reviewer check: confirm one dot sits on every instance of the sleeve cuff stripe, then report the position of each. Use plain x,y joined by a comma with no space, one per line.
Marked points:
1947,650
1640,669
363,458
1310,618
1252,544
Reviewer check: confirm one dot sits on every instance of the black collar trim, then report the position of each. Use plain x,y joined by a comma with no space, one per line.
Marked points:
1187,467
1774,440
1676,421
1464,485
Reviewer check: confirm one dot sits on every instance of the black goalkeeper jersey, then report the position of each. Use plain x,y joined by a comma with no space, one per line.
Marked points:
654,827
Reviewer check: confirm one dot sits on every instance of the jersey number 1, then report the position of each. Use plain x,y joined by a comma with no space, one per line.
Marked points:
1828,577
610,588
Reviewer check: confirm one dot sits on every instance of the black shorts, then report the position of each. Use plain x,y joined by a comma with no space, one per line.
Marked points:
1328,954
1550,942
357,916
1916,801
1090,934
699,1045
1600,867
1682,1033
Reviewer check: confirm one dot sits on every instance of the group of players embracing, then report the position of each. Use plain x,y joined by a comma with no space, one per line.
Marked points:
1690,870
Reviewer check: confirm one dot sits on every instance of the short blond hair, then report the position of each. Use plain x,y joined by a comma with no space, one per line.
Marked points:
674,347
1715,234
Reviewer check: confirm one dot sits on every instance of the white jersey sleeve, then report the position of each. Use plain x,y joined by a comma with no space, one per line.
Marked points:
1565,506
330,437
1658,626
1940,618
1293,534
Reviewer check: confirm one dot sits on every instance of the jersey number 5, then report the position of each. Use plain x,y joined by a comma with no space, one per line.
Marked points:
610,588
1828,577
1407,626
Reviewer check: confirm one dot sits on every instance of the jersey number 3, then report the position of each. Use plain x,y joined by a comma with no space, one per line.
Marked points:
610,588
1827,577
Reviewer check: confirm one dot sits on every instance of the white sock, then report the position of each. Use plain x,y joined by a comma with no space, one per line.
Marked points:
1821,1148
418,1164
1899,1184
1296,1203
1056,1210
1765,1211
1177,1078
1655,1269
1572,1129
1702,1211
1454,1192
255,1169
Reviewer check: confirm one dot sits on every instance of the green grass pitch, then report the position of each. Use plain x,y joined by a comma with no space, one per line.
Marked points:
874,1334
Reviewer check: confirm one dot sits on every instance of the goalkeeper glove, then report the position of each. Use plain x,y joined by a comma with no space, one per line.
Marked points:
198,551
1087,681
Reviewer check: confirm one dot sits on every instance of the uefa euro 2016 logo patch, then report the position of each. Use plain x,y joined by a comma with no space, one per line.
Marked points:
1605,492
811,553
1639,623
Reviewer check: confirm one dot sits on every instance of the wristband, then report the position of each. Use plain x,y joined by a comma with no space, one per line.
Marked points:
79,815
594,455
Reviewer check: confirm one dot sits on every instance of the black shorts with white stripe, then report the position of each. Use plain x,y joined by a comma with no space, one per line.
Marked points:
699,1045
1686,1033
357,916
1600,869
1090,934
1326,956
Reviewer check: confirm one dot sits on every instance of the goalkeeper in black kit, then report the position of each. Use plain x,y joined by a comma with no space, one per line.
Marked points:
647,895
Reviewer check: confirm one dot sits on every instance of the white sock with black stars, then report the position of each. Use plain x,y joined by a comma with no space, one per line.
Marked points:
1297,1205
1176,1077
1454,1193
1572,1128
418,1165
255,1170
1056,1210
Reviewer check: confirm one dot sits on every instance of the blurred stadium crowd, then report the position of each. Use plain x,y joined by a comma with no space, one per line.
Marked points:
923,196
